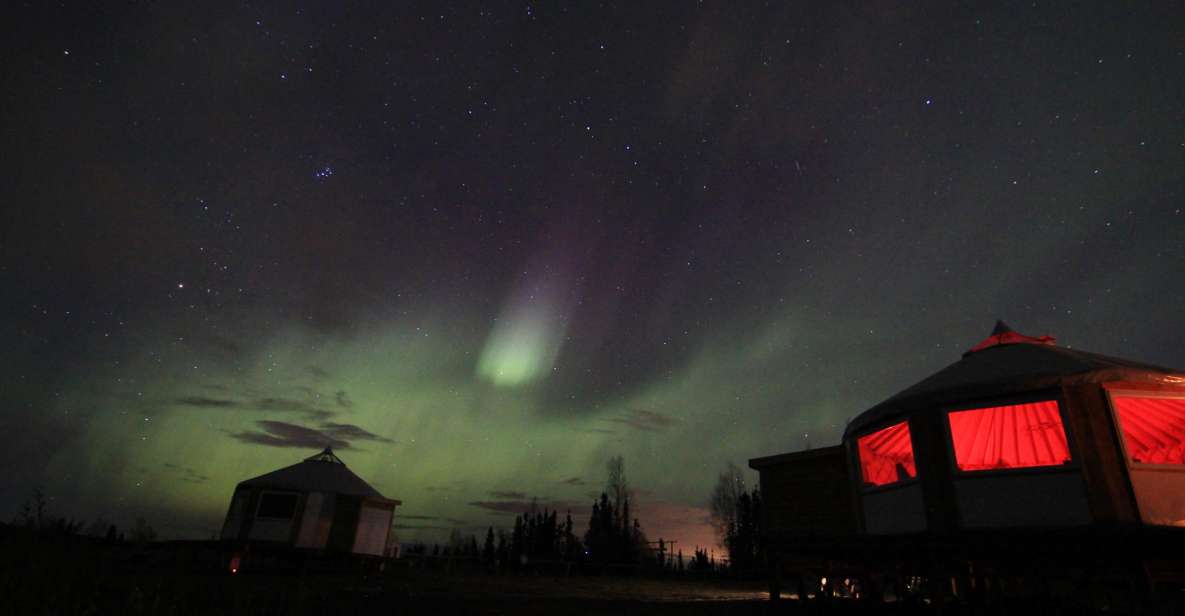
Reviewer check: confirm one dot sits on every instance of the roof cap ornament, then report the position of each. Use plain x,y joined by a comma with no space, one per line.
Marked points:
326,455
1002,334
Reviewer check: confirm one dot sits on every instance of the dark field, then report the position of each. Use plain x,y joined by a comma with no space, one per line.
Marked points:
74,575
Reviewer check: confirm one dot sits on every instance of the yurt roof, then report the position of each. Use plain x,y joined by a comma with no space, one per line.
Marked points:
324,472
1005,363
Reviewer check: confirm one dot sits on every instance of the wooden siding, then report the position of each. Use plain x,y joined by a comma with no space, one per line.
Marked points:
806,493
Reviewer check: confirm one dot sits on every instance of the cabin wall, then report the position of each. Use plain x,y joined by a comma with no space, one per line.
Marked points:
1052,498
277,529
233,526
344,527
899,509
1088,422
314,526
1160,495
933,457
264,529
374,523
807,494
1158,490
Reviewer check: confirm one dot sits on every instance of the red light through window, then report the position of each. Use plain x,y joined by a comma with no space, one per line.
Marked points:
1153,428
1013,436
886,456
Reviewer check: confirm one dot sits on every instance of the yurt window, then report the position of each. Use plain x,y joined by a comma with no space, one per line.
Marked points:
1012,436
886,456
275,505
1153,428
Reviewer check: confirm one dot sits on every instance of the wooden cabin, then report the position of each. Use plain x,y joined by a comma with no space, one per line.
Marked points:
317,504
805,494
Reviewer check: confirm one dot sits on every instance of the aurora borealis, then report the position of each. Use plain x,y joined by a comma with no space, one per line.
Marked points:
480,249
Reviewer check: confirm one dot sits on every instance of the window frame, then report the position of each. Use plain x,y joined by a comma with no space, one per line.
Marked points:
1074,465
1127,459
264,494
859,465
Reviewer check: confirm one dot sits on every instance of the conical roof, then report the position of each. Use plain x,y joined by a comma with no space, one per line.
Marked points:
1009,363
324,472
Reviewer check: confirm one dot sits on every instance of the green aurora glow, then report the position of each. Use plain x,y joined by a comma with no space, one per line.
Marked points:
687,235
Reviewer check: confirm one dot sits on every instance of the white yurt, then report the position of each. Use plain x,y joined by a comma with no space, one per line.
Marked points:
316,504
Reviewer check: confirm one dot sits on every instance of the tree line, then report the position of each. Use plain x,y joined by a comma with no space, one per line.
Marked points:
613,540
34,515
736,515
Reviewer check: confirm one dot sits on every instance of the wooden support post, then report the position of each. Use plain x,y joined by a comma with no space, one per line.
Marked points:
775,576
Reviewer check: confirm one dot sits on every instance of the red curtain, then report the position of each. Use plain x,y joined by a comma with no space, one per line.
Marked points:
1013,436
886,456
1153,428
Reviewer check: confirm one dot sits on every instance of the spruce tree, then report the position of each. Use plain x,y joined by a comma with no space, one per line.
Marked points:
487,551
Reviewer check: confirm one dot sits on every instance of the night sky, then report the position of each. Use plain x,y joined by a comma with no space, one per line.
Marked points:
479,249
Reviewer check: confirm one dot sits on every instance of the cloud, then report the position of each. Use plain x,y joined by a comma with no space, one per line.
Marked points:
508,494
187,474
350,431
205,402
318,372
429,518
286,405
573,481
343,400
283,434
649,421
276,405
519,506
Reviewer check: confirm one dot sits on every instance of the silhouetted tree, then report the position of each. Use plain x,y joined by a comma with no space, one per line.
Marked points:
516,543
722,503
472,551
617,485
142,532
488,550
32,513
613,536
743,536
571,543
503,551
97,528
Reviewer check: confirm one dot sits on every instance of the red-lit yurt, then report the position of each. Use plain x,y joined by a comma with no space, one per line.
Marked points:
1023,433
1022,463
